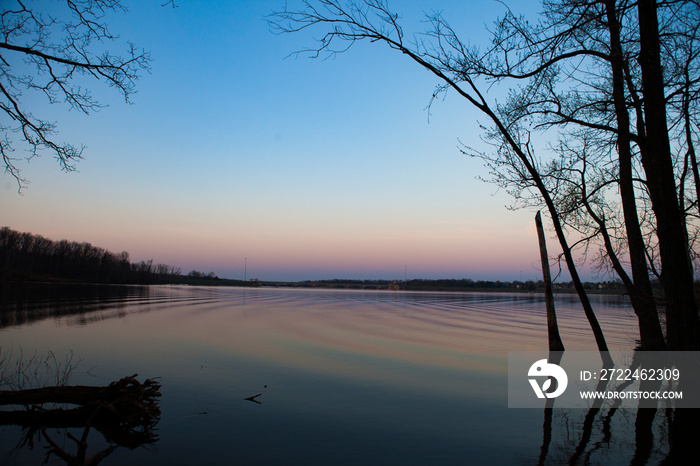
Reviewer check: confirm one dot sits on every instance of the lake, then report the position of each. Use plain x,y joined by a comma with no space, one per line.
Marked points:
316,376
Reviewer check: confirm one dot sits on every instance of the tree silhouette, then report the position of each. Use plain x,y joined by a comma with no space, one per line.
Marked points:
587,79
441,52
52,51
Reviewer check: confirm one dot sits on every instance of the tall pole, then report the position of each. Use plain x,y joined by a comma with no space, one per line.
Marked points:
245,270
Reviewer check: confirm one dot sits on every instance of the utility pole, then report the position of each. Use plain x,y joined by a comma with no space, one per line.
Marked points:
245,270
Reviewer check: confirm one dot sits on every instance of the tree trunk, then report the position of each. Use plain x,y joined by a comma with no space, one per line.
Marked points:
561,236
677,274
555,343
641,295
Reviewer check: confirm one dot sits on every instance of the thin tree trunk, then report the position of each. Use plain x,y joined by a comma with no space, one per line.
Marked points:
578,285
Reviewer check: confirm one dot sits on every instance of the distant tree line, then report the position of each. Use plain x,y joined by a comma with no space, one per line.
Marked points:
528,285
26,256
467,284
517,285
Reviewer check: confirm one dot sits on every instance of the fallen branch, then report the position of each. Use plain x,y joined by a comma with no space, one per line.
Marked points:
125,411
253,398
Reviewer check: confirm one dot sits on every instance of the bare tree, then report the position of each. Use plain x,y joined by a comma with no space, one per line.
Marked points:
441,52
588,70
52,50
612,53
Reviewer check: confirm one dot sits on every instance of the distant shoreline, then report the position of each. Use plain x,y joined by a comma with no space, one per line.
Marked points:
442,285
26,257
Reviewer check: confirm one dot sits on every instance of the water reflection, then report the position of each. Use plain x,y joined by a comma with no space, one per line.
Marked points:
81,304
26,303
652,433
371,377
606,436
125,413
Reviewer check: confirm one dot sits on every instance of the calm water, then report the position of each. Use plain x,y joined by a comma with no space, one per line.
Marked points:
344,377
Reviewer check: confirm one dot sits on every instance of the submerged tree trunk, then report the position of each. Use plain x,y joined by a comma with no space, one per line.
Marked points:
555,343
578,285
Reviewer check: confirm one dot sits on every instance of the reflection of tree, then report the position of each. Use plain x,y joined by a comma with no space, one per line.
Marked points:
546,431
587,428
31,302
80,458
683,427
78,304
648,433
600,435
125,412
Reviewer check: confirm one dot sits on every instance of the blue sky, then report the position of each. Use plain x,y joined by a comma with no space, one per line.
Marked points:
308,168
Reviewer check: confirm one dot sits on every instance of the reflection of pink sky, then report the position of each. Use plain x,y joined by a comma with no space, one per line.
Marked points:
377,336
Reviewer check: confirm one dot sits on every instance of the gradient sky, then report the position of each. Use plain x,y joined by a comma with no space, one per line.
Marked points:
308,168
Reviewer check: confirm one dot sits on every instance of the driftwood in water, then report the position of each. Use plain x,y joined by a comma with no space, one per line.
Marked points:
253,398
125,411
555,343
127,389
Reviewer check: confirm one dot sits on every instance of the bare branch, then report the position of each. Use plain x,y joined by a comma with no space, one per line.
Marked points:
50,55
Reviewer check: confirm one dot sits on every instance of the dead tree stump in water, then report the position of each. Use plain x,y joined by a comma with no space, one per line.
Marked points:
555,343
